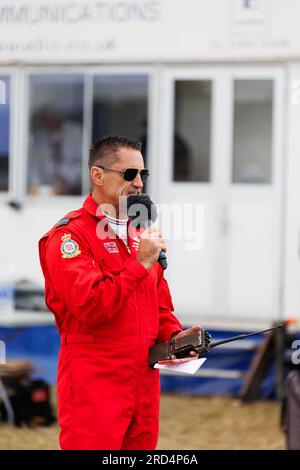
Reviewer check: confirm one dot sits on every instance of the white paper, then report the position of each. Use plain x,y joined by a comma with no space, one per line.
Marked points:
189,367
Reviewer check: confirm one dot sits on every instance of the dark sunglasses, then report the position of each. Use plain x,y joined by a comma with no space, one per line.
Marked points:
129,174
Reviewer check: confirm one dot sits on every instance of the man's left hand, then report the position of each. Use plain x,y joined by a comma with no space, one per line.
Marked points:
193,329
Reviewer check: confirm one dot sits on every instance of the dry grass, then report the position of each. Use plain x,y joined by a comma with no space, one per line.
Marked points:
186,423
218,423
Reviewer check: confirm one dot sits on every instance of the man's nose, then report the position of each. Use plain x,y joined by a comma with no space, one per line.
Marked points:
137,182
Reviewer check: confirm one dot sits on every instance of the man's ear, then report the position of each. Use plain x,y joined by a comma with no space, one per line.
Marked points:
96,175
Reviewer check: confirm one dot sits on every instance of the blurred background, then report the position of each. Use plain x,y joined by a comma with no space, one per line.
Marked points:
212,89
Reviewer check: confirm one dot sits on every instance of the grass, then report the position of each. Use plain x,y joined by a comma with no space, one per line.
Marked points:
185,423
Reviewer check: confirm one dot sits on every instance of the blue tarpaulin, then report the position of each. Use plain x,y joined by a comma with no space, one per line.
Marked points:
40,344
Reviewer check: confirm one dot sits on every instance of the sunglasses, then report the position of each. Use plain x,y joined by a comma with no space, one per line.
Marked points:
129,174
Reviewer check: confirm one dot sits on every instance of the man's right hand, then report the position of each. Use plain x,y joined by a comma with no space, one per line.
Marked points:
151,244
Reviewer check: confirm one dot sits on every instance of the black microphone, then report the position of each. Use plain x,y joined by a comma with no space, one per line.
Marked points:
142,212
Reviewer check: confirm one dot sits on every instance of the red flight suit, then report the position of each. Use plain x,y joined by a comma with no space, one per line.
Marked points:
109,310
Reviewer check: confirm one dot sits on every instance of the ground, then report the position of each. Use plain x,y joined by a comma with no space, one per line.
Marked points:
186,423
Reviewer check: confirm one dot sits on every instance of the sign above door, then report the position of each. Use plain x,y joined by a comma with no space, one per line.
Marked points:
85,31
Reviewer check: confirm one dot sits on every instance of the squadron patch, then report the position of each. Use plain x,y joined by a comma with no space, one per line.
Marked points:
69,248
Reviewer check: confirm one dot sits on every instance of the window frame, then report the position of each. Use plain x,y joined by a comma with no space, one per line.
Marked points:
222,78
188,72
88,73
233,161
11,192
211,81
274,73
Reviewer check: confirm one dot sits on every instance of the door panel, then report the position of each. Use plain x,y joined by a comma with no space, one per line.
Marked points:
253,259
230,120
191,268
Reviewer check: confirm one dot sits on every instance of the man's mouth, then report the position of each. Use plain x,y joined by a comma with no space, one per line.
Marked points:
123,193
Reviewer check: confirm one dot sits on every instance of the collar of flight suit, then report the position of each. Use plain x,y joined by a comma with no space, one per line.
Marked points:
92,208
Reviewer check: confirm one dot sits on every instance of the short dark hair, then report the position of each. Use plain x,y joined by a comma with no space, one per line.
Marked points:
105,150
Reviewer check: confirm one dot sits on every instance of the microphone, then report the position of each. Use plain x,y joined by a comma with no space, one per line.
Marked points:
142,212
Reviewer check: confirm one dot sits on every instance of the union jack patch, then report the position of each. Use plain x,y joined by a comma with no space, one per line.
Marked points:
111,247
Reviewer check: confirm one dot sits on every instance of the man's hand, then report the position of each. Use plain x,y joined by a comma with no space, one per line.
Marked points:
151,244
193,329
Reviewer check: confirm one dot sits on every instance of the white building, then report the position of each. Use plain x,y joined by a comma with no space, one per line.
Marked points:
222,76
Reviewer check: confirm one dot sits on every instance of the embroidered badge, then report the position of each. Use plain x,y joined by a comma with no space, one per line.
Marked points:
69,248
111,247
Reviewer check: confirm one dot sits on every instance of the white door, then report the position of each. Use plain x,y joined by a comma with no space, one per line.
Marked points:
221,156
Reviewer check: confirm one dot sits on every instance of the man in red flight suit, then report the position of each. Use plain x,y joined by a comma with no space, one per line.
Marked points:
111,303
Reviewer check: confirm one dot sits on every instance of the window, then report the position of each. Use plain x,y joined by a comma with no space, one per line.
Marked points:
120,107
55,140
191,140
4,131
252,139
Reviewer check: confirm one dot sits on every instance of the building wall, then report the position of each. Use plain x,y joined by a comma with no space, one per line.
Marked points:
291,288
21,230
158,33
148,30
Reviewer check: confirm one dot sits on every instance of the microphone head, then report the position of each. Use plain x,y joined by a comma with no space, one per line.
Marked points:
141,210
